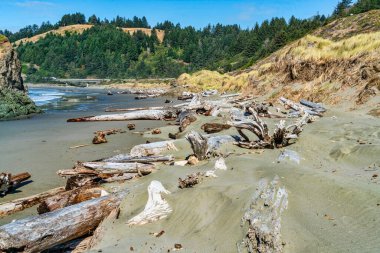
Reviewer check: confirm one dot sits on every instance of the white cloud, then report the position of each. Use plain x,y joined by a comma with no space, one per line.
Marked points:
31,4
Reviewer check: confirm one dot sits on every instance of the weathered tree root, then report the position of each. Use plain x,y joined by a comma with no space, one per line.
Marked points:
264,218
156,208
198,144
281,137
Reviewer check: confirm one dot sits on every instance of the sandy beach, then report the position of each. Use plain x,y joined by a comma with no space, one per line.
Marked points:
334,194
41,144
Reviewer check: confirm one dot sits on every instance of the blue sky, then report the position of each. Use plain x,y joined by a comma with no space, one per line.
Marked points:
19,13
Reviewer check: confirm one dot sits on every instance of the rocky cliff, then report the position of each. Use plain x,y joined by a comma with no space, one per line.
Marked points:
13,99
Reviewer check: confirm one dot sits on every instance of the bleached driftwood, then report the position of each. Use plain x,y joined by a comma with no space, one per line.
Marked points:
135,115
88,243
215,142
37,233
112,168
69,198
104,170
264,218
127,158
204,146
185,118
134,109
121,177
152,149
208,93
299,108
198,144
230,95
17,205
281,137
156,208
316,107
195,102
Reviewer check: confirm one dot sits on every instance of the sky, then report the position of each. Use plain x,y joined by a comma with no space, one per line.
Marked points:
16,14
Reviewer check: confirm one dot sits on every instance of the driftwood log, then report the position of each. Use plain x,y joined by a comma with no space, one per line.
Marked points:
300,109
168,114
38,233
85,244
156,208
264,218
198,144
134,109
314,106
152,149
185,118
17,205
9,182
127,158
69,198
113,168
203,146
212,128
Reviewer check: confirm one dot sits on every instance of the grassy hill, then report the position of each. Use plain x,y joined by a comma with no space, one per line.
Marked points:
81,28
338,62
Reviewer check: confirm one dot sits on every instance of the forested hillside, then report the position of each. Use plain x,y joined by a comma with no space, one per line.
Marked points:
106,51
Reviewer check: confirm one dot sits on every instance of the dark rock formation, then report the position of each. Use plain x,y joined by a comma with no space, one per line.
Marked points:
14,101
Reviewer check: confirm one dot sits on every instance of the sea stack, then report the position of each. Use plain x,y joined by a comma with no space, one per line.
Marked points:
14,102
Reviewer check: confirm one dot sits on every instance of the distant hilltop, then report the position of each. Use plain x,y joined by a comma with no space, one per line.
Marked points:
81,28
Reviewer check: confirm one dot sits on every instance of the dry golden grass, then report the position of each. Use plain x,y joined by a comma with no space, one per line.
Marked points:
81,28
205,80
147,31
315,48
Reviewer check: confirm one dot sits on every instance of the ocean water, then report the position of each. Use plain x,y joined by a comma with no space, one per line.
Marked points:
66,99
71,100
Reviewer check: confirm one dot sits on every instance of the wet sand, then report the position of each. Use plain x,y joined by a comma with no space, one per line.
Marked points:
334,195
41,144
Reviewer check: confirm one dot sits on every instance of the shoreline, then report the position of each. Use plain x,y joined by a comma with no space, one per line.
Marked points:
116,85
330,189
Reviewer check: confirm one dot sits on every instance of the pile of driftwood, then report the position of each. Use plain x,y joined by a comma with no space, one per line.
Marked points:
69,216
76,210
